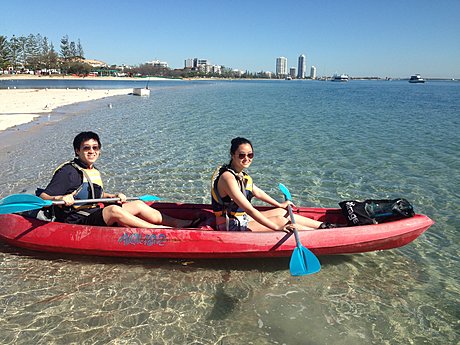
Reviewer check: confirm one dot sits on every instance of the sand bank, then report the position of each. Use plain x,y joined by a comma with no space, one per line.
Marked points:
18,106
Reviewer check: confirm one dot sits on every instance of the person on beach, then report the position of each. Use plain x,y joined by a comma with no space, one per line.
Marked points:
232,190
79,179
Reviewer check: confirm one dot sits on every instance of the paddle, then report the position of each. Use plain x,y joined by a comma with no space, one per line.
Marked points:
26,202
303,261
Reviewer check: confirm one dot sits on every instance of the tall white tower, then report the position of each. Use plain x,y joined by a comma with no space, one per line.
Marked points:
313,72
281,67
302,67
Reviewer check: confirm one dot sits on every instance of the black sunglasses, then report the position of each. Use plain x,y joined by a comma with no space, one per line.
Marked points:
249,155
88,148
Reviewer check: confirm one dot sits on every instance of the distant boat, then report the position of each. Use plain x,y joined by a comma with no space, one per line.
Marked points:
288,78
340,77
416,78
139,91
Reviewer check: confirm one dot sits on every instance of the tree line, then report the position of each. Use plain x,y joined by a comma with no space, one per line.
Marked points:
226,73
35,52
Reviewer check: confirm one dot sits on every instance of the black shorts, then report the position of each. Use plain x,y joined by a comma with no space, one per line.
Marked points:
95,218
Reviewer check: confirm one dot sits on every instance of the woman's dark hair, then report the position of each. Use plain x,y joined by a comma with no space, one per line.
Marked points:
236,142
85,136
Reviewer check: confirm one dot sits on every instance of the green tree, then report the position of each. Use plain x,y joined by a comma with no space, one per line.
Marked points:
14,52
4,53
33,52
65,54
65,48
45,46
51,58
73,50
80,68
80,52
22,56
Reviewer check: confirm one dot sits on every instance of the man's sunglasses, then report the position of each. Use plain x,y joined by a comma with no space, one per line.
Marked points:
88,148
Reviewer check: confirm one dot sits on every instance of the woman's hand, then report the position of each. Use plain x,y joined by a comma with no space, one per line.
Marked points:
286,204
289,228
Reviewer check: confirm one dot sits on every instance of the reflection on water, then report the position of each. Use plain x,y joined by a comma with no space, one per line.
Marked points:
326,143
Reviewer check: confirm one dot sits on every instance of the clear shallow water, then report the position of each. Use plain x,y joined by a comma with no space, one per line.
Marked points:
326,141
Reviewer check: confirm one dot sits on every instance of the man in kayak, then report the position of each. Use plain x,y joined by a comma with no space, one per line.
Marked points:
232,190
79,179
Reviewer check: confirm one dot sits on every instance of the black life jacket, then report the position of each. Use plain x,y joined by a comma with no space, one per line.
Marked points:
226,207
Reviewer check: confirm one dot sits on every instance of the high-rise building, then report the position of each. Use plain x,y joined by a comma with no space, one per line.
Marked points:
313,72
292,72
302,67
188,63
281,67
196,64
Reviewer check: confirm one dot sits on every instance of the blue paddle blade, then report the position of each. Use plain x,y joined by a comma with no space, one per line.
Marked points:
285,191
27,202
22,202
147,198
21,198
303,262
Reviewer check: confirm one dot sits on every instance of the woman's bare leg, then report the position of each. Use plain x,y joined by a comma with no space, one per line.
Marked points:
279,220
300,220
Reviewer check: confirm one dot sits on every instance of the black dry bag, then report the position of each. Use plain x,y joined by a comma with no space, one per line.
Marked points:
373,211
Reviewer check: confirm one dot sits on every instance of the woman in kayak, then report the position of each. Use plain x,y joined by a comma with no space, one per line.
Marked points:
232,190
79,179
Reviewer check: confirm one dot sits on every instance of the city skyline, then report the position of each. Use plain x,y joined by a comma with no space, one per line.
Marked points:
359,38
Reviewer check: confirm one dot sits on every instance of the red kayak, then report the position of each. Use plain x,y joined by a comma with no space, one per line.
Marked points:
204,242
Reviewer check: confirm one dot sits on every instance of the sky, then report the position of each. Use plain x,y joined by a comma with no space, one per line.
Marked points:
391,38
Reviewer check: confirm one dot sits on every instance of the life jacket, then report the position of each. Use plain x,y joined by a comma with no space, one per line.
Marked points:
226,207
91,187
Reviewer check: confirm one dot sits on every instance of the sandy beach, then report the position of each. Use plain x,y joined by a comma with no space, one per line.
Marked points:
19,106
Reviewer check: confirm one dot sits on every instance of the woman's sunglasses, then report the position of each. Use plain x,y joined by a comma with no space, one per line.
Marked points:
243,155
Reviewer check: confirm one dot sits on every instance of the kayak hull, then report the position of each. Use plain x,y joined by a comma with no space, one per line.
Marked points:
203,242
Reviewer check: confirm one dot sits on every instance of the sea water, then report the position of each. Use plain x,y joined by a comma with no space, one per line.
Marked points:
327,142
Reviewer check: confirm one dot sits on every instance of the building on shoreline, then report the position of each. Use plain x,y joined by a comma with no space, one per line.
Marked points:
202,65
157,63
302,67
313,72
281,67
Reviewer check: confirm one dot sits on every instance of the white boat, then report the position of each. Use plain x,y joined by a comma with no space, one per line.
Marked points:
339,77
416,78
139,91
